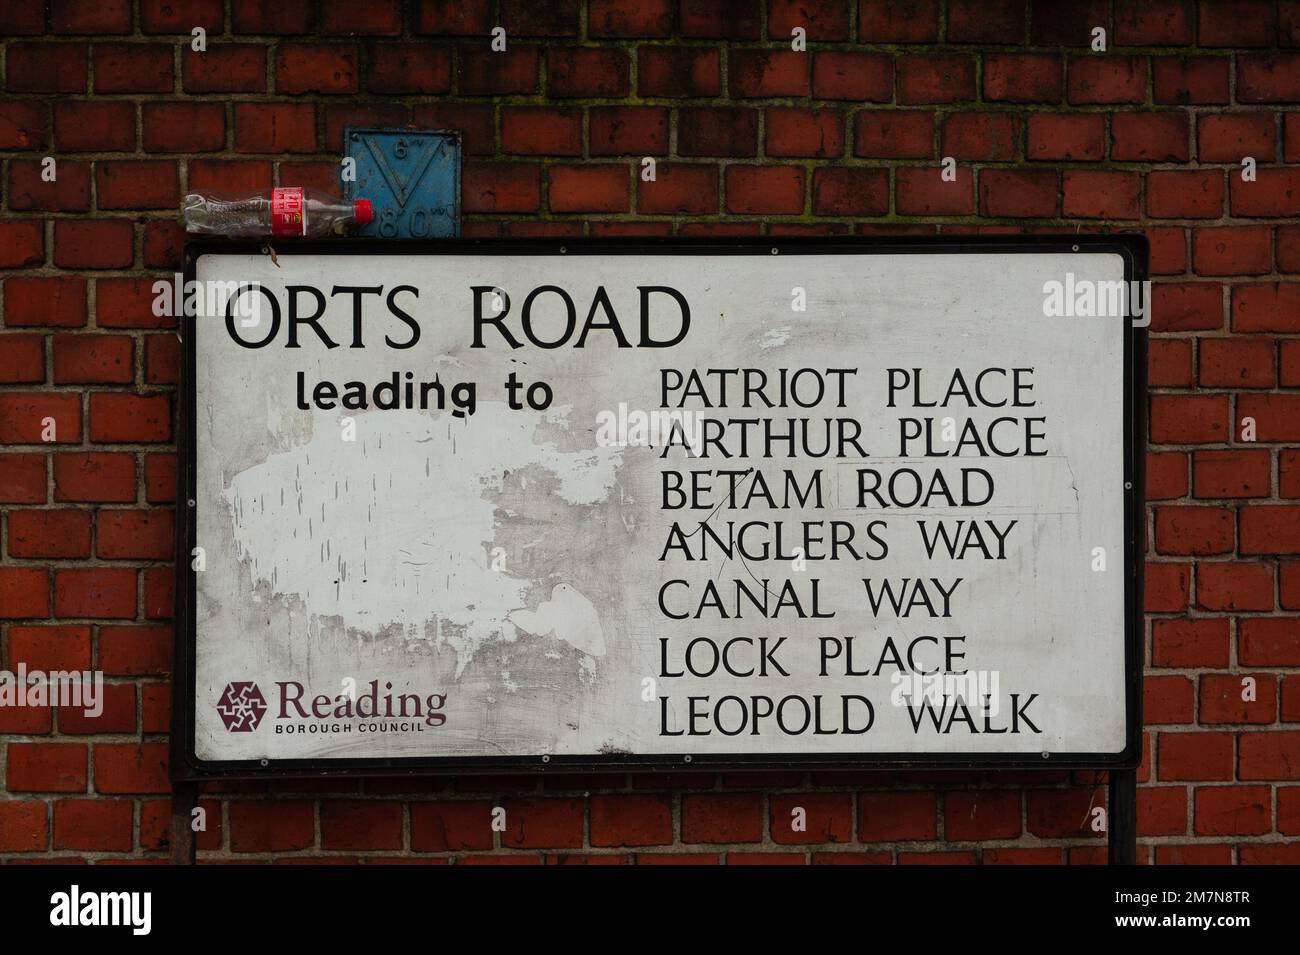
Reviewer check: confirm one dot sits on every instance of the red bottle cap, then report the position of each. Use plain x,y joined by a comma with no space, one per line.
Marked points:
363,212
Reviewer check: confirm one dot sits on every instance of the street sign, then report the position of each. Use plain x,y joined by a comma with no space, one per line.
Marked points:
468,505
412,179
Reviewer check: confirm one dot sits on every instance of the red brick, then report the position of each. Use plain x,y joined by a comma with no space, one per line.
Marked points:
184,127
627,130
500,187
23,125
451,826
1276,192
90,16
360,824
541,131
295,16
793,131
1166,475
24,592
970,815
679,189
1185,194
1267,307
374,18
46,767
22,243
588,188
1150,137
921,191
898,21
1195,756
49,533
483,72
1153,23
133,68
1269,641
130,302
678,71
850,191
1232,810
1168,246
87,477
50,647
22,826
897,134
93,359
137,184
225,176
764,189
1189,643
143,534
1234,586
898,816
96,825
857,77
1018,192
543,823
131,768
225,68
1189,419
1182,307
722,818
1229,137
1194,530
275,128
1111,78
88,244
1235,23
25,416
1169,363
1270,755
271,825
1166,587
1268,77
38,67
130,418
638,18
768,73
1237,363
1167,700
315,68
824,817
935,79
974,21
525,18
95,592
1060,813
586,72
1101,194
1277,417
37,302
1231,250
1221,698
707,131
69,192
162,359
1060,136
631,820
24,358
94,126
1022,77
134,651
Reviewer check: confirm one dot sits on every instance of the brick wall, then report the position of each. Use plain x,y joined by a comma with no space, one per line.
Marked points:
750,138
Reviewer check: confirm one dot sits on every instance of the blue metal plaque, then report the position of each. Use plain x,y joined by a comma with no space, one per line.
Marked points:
412,179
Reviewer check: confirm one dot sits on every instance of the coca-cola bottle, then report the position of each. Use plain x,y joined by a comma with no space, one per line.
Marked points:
287,211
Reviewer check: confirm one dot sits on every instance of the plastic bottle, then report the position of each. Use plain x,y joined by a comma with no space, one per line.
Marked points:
287,211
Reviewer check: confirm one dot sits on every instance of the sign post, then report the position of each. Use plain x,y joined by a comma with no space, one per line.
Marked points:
467,505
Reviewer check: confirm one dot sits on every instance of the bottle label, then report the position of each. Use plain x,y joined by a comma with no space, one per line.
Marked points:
288,212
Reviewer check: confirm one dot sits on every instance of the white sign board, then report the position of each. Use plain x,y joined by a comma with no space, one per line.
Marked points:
473,504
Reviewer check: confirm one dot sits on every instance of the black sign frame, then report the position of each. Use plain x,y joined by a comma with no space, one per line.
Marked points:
185,766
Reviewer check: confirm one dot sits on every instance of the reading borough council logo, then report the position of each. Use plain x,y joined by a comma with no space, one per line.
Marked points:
241,707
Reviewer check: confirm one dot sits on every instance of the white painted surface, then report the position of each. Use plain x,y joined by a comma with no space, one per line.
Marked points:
382,559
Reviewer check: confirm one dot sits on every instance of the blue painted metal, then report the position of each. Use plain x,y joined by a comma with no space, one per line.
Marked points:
412,179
